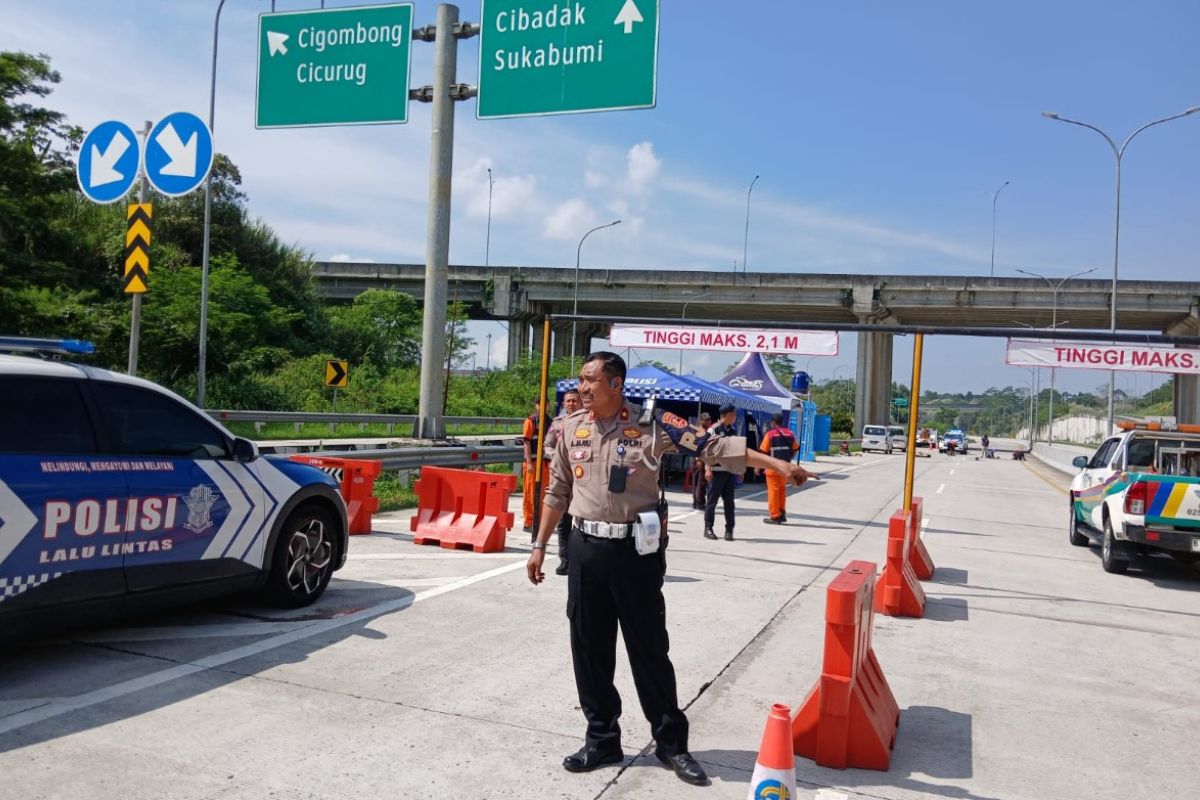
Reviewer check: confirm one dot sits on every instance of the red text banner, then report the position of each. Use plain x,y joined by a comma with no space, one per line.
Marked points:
733,340
1124,357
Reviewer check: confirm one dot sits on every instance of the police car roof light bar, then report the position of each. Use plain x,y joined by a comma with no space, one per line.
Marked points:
24,344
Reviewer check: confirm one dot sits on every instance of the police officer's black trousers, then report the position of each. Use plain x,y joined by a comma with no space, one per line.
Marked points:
724,484
608,582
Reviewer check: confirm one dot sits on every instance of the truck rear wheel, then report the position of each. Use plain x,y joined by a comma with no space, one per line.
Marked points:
1108,552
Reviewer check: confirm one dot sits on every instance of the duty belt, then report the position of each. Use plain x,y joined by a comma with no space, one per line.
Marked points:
604,530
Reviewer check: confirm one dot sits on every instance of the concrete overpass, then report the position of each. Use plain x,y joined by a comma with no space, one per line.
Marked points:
524,295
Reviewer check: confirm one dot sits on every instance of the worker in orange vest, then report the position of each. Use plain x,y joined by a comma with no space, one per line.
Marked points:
529,436
780,443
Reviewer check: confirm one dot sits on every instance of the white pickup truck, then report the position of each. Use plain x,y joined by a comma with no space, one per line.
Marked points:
1140,493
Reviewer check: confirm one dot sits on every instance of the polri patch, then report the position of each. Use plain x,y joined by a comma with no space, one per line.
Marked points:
674,420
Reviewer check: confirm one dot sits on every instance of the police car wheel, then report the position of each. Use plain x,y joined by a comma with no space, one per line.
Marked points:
303,562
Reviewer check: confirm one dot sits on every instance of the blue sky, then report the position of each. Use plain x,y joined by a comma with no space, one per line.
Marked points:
879,129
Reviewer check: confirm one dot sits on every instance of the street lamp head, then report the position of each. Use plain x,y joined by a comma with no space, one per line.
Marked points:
1191,110
1049,115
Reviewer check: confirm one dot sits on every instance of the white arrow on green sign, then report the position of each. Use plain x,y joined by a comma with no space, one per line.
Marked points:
336,66
566,56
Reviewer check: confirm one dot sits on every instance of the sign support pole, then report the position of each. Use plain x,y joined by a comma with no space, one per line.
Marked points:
135,314
430,422
914,404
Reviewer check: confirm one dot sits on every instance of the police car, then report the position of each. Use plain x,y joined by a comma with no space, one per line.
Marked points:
117,495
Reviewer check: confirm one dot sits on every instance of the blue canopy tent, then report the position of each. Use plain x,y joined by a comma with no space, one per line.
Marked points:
687,396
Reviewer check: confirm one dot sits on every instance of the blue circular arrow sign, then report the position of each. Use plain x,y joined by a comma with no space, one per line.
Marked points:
108,161
179,154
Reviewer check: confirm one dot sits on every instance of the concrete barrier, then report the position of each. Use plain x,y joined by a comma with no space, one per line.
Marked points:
1060,456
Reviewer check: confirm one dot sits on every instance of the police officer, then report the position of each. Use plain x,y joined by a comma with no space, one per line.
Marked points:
781,444
722,481
605,473
700,472
571,404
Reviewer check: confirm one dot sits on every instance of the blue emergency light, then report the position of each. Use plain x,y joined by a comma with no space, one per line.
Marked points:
24,344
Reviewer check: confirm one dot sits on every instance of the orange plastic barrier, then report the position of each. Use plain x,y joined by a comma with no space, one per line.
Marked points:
850,717
462,509
918,556
357,480
898,592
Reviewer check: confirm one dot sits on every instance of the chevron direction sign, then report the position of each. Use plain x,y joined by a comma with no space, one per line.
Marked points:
337,374
137,247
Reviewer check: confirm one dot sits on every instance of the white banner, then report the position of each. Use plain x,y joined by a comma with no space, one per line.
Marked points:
1124,357
731,340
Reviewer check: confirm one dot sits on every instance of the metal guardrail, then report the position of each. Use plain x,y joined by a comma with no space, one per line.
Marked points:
401,459
298,418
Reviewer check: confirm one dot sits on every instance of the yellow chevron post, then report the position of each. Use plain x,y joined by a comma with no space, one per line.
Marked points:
137,248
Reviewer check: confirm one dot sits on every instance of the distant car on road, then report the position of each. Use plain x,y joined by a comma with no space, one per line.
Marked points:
953,441
899,435
876,437
1139,493
116,495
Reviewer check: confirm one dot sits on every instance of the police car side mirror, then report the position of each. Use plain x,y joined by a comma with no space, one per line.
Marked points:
1080,462
244,450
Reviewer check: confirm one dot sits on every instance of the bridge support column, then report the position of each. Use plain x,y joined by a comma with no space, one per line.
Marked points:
873,383
1187,399
518,340
1187,387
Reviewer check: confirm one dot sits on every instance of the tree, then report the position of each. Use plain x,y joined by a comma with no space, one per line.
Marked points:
781,366
652,363
379,327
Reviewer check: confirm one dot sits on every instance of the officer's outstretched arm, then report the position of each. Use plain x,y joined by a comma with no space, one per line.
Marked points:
793,472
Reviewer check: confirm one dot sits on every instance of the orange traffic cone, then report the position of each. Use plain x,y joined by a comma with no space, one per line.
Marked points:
775,770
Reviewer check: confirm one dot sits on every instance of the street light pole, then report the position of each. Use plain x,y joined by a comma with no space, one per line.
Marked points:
682,317
1054,327
575,304
746,237
1119,153
206,234
487,246
995,196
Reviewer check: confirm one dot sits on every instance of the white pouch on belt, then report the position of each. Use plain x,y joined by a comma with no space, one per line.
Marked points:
646,532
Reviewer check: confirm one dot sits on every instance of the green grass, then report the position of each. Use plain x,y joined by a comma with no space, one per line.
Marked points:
394,495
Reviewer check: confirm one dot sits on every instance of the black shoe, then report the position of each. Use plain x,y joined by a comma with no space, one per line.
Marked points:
561,569
728,536
708,534
686,768
775,520
589,758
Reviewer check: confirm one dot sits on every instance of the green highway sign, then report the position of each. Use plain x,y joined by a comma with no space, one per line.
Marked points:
566,56
900,401
335,66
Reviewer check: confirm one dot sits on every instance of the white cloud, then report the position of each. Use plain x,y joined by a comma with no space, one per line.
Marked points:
569,220
642,167
512,195
346,258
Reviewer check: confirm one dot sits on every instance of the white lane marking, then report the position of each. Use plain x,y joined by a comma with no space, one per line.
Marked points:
439,554
830,794
199,631
62,706
940,488
924,524
951,472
